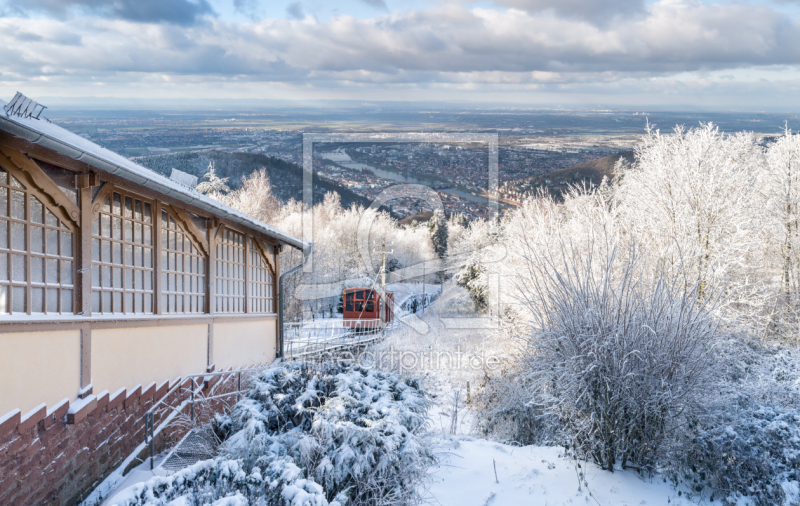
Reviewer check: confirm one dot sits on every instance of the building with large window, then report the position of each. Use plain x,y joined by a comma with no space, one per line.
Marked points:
117,281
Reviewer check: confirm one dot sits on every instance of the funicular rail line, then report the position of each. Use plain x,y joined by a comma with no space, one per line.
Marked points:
309,339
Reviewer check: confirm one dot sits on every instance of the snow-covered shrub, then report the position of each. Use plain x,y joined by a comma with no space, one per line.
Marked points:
619,352
312,435
352,429
739,452
219,482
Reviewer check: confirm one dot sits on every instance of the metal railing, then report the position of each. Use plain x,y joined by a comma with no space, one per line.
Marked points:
307,339
194,397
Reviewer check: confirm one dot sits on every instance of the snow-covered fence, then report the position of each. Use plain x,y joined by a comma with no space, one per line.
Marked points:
317,338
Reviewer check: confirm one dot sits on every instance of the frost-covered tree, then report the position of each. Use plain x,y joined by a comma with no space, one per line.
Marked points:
437,226
215,187
692,198
783,191
254,197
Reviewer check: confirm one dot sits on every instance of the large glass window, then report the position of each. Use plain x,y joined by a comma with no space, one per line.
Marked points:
229,272
261,291
183,270
36,254
122,256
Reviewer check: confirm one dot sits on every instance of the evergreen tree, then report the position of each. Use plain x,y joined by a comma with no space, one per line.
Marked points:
437,226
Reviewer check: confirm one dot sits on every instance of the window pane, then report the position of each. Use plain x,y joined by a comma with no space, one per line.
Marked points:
50,219
66,301
18,294
52,241
3,299
17,205
37,269
52,300
3,203
37,211
18,268
128,207
106,251
66,244
116,250
105,225
37,240
3,267
116,207
52,271
3,234
66,272
116,228
18,236
37,300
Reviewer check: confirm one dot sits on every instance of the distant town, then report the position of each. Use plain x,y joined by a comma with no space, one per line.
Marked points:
458,173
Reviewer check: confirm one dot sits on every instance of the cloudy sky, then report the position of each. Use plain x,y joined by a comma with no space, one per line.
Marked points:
627,53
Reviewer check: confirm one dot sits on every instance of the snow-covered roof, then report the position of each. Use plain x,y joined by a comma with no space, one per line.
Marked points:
60,140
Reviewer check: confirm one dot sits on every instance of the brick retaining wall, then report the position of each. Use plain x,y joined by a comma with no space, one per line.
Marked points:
57,456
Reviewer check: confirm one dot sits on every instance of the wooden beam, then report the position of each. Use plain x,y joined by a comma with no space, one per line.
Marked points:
267,256
40,184
86,355
101,197
210,270
84,254
158,288
246,273
276,286
190,228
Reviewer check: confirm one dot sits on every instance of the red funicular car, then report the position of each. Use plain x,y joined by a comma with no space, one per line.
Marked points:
362,308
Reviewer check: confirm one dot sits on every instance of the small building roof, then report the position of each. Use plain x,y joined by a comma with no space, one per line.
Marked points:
60,140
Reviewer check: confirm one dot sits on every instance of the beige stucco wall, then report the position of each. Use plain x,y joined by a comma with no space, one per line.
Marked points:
244,343
37,367
126,357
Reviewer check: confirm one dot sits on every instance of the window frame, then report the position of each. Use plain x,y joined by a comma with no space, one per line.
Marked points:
102,268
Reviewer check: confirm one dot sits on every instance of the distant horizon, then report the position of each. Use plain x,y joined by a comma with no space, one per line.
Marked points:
120,103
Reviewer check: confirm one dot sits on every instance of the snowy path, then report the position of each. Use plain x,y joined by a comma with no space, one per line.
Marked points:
533,475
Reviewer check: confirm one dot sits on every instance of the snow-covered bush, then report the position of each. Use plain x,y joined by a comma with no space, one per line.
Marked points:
619,353
352,429
312,434
219,482
737,452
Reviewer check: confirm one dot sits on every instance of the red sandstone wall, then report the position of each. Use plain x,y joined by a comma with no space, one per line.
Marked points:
55,457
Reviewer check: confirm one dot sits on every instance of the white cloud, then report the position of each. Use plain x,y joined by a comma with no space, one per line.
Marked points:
533,46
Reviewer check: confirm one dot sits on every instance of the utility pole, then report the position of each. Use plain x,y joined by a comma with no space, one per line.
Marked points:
423,287
383,280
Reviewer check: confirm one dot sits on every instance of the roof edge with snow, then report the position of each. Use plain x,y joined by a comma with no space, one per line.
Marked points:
60,140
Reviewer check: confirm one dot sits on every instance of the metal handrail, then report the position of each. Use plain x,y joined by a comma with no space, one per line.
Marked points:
149,415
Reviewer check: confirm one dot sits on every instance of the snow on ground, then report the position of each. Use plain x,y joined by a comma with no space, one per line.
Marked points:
465,475
527,475
532,475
